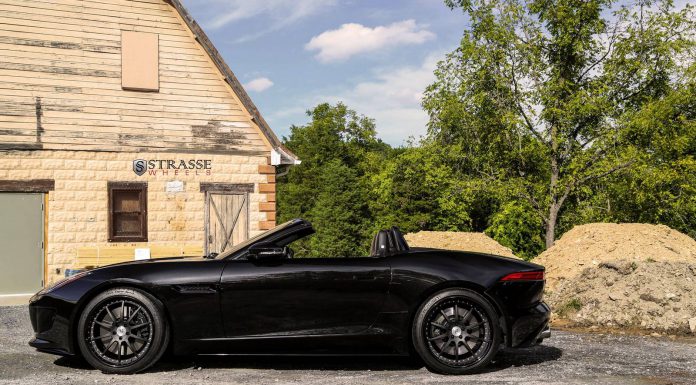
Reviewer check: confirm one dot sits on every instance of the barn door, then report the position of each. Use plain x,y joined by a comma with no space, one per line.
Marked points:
227,221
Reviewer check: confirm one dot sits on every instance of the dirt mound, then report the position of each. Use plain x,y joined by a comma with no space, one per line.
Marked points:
452,240
657,296
589,245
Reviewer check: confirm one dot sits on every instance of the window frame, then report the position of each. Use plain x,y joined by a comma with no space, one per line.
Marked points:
127,186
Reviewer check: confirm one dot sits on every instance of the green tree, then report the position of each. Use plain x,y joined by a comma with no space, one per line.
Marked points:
516,226
417,189
661,188
339,153
539,95
340,214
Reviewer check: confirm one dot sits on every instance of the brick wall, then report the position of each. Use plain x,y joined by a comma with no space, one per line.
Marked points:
268,190
77,209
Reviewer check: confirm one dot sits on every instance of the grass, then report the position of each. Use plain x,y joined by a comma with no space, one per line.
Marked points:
569,307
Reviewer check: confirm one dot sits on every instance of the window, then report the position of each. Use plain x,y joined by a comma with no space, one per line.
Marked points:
127,212
139,61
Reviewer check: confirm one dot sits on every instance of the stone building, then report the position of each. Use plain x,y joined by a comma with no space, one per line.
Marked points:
123,135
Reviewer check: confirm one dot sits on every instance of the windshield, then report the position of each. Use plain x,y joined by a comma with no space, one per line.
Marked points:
251,240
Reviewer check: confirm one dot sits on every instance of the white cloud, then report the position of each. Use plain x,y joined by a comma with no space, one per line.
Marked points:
393,99
352,39
259,84
276,13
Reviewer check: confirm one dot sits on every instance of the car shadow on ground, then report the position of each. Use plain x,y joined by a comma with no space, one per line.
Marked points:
506,358
535,355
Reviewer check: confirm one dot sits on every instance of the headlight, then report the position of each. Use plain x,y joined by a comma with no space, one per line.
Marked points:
63,282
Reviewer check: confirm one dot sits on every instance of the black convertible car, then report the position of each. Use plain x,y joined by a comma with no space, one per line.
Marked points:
452,309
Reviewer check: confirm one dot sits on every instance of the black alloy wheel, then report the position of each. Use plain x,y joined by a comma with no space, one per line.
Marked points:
456,332
122,331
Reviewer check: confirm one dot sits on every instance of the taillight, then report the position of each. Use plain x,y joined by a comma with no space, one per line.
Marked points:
525,276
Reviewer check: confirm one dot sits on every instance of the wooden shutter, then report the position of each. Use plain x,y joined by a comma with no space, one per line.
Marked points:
139,61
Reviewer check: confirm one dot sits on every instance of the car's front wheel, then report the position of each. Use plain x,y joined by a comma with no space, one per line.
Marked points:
456,331
123,331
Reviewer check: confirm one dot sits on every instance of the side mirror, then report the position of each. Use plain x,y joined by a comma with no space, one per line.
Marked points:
262,252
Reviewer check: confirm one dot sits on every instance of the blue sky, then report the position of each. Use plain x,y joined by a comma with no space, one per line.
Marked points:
376,56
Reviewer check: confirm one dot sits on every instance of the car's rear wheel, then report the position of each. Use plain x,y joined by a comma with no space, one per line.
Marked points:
122,330
456,331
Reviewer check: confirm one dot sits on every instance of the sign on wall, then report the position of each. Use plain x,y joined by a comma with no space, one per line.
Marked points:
175,186
154,167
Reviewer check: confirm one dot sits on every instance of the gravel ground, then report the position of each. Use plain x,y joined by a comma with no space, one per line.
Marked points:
566,358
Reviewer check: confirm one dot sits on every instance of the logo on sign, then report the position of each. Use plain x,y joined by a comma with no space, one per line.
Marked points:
139,166
176,167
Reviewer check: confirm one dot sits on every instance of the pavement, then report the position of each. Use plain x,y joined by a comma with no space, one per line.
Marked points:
566,358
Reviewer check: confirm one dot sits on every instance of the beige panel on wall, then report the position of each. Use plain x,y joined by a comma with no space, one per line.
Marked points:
139,61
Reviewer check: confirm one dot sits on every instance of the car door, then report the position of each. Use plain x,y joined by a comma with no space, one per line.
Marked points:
305,296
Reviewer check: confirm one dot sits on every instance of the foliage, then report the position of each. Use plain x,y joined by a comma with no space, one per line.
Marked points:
542,95
339,213
661,188
417,191
518,227
338,149
550,113
572,306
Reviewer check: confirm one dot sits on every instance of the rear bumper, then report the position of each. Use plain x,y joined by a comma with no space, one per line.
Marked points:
531,327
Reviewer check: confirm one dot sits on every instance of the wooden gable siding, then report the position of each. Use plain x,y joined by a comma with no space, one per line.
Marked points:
60,83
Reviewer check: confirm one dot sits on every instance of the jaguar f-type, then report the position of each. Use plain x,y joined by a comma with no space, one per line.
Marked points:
451,309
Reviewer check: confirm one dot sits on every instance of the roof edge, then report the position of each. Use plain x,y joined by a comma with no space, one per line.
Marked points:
232,80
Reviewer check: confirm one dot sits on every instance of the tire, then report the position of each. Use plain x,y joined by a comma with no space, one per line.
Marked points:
123,331
461,345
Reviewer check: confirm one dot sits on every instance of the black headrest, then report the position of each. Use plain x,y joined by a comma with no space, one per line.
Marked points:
399,240
388,242
380,244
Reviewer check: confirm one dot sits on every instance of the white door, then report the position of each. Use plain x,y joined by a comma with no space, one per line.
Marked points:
21,243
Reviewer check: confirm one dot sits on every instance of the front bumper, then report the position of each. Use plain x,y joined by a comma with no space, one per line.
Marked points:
48,347
51,330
